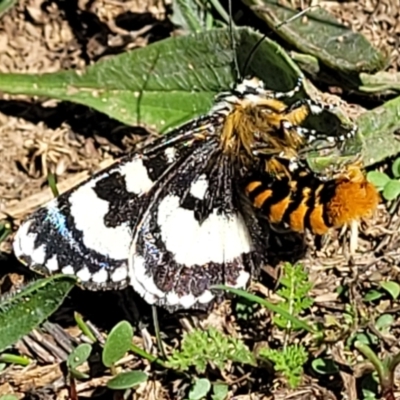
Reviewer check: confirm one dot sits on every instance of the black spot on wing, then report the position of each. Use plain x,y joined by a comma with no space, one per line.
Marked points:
123,206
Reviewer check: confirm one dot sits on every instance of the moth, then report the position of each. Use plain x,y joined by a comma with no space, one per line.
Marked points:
180,214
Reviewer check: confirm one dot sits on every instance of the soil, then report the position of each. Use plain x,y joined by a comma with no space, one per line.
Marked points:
38,136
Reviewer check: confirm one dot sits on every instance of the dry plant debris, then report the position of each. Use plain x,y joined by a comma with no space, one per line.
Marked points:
42,36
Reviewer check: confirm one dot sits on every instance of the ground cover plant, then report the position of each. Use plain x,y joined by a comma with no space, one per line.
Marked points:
323,325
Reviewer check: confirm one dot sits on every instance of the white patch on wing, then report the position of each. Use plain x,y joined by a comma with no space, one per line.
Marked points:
141,282
136,176
68,270
119,274
170,154
242,280
88,211
221,238
100,276
84,274
187,301
199,187
39,254
52,264
172,299
205,297
24,242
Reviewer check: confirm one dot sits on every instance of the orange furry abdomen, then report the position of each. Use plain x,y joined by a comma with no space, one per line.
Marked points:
351,201
307,202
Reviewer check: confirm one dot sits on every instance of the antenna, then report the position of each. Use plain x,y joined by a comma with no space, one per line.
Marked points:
233,42
278,26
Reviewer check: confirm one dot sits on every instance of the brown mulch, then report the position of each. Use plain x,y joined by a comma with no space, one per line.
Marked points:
38,136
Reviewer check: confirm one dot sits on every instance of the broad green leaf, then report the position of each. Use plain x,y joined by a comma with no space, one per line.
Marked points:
25,310
320,35
126,380
166,83
379,179
393,288
391,190
118,343
79,355
200,389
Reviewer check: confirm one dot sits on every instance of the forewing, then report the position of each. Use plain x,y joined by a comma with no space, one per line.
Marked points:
88,230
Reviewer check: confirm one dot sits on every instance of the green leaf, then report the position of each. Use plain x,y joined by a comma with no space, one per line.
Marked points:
220,391
294,290
384,322
324,366
9,397
200,348
118,343
5,230
289,361
14,359
126,380
379,179
378,130
393,288
391,190
191,15
5,5
166,83
25,310
79,355
322,36
366,338
200,389
396,168
51,180
84,327
373,295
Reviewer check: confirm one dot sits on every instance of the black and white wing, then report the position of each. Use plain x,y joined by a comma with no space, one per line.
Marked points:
166,220
193,234
87,231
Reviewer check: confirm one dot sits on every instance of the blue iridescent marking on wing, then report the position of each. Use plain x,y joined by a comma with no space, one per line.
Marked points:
59,222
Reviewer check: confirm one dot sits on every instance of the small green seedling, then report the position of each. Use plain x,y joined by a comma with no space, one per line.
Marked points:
390,187
289,362
78,356
201,348
118,343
